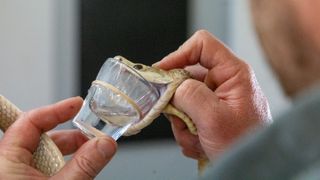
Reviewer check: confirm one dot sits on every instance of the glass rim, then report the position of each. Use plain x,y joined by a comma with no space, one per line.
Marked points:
147,83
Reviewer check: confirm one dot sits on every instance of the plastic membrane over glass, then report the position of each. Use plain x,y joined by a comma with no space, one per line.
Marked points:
118,98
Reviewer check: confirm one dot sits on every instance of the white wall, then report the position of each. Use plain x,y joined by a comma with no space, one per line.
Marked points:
211,15
26,52
37,51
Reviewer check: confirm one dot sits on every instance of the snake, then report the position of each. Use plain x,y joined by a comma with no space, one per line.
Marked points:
47,157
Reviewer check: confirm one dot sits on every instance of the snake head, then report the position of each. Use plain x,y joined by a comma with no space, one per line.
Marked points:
149,73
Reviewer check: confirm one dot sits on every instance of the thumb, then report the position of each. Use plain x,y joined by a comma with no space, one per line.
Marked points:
196,100
90,159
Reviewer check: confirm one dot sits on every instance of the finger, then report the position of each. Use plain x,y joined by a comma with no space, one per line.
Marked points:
197,72
191,154
183,136
202,47
192,93
89,159
26,131
68,141
178,124
205,49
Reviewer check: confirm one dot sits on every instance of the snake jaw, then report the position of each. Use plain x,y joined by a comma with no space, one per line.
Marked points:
150,74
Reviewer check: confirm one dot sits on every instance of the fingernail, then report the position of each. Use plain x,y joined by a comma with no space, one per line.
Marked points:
106,147
156,64
169,117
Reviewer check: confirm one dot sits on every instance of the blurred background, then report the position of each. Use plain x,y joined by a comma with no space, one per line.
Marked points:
53,49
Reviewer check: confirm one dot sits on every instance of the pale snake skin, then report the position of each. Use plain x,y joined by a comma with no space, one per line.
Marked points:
47,157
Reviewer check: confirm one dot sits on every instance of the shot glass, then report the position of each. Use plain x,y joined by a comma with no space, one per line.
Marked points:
118,98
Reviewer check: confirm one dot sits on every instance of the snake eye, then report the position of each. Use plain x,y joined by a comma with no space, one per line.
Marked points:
119,58
138,66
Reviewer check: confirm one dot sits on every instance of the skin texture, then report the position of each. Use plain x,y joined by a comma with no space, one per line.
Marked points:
225,90
288,31
22,137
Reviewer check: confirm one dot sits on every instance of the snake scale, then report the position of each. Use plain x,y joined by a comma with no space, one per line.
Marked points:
49,160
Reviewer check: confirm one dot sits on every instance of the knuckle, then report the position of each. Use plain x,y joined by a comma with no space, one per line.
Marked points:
191,91
246,71
187,88
86,166
189,153
185,152
179,142
202,33
246,67
27,116
178,138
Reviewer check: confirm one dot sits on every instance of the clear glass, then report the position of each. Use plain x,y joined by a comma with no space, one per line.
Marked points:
108,112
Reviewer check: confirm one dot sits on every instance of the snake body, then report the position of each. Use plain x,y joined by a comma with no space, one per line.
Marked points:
47,157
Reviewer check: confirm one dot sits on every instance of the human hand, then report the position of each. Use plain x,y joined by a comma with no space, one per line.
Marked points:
22,138
223,100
